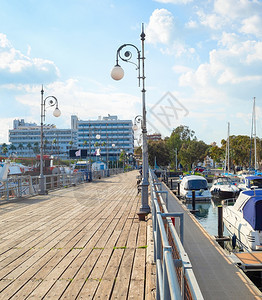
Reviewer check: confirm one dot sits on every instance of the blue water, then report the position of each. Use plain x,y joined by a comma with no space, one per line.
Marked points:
208,216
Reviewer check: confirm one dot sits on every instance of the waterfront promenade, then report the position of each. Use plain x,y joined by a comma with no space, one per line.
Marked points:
82,242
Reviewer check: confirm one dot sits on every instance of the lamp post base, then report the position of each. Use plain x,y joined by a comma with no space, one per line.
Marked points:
142,215
42,190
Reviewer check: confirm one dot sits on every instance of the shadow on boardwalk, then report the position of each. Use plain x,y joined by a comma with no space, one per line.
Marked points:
82,242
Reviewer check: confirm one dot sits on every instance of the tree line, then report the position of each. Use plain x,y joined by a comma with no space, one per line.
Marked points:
183,148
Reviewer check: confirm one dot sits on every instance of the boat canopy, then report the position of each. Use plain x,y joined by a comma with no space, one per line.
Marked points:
196,184
252,212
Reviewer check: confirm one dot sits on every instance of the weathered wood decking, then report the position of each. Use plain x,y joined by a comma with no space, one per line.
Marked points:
83,242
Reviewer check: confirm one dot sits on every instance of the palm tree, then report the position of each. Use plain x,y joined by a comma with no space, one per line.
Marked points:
45,144
36,147
54,142
70,144
21,147
29,146
4,149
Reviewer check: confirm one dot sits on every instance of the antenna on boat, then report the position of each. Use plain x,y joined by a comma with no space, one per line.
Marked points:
254,187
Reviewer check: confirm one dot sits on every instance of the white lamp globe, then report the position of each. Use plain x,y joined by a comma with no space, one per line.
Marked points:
117,73
135,127
98,136
57,112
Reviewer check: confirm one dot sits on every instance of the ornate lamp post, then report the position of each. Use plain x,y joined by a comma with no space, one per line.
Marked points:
117,73
51,101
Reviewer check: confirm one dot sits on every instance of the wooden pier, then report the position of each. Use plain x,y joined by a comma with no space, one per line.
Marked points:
82,242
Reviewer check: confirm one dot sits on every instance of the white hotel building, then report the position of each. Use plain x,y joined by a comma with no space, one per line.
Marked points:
109,134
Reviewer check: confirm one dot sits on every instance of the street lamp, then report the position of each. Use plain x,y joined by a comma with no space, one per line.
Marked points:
138,120
51,101
117,73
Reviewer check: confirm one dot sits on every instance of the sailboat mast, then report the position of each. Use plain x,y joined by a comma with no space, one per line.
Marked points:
254,131
226,167
228,134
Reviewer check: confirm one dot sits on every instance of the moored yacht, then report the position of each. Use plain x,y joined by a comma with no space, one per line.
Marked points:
248,181
223,188
194,183
244,219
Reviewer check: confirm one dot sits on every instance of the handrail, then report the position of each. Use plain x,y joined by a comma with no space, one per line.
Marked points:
175,276
26,185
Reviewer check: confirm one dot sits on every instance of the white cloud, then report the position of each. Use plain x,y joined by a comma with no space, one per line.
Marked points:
181,69
191,24
5,125
72,99
252,25
213,21
236,8
160,27
175,1
232,70
15,67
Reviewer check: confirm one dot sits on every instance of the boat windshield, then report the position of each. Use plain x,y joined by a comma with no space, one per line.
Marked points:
256,182
196,184
224,181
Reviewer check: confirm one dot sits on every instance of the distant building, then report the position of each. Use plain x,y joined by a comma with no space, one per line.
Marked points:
154,137
25,139
107,135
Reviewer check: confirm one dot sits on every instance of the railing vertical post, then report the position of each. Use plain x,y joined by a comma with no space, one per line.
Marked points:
166,291
194,200
181,219
220,221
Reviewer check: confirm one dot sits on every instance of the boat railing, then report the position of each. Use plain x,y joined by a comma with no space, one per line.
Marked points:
175,276
229,201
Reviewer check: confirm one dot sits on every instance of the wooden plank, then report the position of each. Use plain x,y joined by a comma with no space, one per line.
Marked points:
109,277
79,280
137,284
124,275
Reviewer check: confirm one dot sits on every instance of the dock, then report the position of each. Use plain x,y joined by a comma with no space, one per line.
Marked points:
217,275
82,242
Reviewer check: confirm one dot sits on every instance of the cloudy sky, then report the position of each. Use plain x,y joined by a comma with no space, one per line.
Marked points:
203,62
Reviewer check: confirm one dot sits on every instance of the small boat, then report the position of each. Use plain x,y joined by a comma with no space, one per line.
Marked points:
248,181
243,219
223,188
194,183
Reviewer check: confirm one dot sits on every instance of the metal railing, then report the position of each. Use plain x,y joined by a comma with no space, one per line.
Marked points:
26,185
175,277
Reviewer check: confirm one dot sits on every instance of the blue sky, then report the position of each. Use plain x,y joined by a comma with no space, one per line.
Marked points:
203,62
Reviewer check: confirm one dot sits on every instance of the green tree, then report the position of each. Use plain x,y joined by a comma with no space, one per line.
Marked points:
192,152
4,148
12,147
216,153
20,147
180,135
70,144
158,150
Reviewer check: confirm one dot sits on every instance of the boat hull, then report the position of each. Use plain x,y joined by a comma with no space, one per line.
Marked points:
247,237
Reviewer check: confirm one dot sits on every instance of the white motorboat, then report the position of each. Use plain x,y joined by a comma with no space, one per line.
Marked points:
247,181
194,183
223,188
244,219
